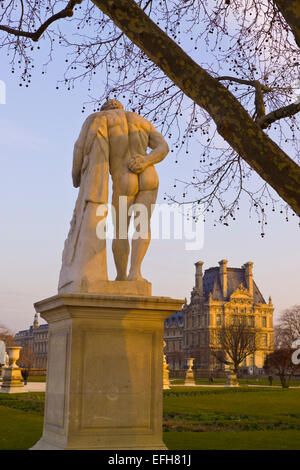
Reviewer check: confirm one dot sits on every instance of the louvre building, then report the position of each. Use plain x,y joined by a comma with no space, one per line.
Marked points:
223,295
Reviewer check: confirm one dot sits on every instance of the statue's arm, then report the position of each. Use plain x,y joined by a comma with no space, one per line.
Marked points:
160,149
159,146
78,153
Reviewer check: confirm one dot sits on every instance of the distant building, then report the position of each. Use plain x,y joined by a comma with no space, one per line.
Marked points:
222,294
36,339
173,338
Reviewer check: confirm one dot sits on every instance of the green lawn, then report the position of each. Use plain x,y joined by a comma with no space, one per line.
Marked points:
206,418
21,420
260,403
249,381
225,418
37,378
247,440
18,429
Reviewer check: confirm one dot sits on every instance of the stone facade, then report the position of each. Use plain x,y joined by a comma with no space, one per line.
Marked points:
173,338
222,294
35,339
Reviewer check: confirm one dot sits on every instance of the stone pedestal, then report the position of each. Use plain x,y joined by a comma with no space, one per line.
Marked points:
105,371
113,288
12,377
232,380
189,376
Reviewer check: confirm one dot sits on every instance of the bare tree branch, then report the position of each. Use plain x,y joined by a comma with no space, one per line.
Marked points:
67,11
259,89
247,39
288,327
285,111
6,336
253,83
233,122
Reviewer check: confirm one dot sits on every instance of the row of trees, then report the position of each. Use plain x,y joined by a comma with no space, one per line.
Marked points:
238,341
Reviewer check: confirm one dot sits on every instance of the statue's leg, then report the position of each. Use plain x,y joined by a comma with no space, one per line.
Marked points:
142,237
120,244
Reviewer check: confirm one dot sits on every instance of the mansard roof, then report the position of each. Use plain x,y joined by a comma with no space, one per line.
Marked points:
235,277
176,318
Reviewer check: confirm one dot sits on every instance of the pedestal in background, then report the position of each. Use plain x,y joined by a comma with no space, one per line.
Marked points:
189,376
232,380
105,371
12,377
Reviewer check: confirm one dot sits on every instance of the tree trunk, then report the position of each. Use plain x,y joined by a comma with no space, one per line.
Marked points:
290,10
233,122
283,381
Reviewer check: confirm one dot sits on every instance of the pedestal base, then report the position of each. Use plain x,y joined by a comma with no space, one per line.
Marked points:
113,288
12,381
189,379
232,380
105,371
43,444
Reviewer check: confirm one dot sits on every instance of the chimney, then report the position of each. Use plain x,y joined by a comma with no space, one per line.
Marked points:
249,276
198,277
223,276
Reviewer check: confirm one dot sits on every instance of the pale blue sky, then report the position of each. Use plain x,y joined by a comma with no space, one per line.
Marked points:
38,127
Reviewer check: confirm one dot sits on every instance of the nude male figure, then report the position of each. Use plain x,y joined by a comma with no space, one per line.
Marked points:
116,141
134,179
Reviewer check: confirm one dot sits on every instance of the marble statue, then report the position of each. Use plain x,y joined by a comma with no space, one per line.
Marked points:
111,141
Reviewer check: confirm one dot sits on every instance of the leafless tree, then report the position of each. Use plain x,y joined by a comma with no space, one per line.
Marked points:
280,362
287,329
290,320
6,336
224,74
236,341
27,358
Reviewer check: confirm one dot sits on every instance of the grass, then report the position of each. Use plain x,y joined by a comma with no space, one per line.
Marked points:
29,402
37,378
251,440
242,381
237,418
18,429
21,420
246,401
201,418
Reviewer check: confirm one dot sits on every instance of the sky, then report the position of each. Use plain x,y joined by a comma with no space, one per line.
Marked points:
38,128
